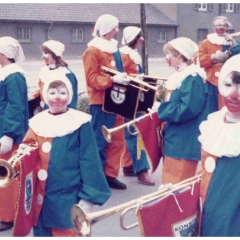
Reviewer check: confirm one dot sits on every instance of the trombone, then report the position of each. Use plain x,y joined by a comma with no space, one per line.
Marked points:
10,169
144,84
82,221
107,133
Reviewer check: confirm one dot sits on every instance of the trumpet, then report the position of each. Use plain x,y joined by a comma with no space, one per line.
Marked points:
83,221
107,133
10,169
144,84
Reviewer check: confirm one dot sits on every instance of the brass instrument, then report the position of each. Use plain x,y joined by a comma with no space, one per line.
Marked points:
83,221
152,77
236,34
107,133
10,169
144,84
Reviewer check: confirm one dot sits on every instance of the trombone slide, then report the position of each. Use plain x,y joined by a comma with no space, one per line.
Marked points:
145,84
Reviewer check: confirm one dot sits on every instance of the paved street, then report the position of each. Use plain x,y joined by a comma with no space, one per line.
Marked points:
108,227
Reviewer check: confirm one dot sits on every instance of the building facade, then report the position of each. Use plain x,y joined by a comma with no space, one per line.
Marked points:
195,19
72,24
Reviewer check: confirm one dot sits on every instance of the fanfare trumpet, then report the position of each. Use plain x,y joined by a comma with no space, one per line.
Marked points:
107,133
10,169
144,84
82,221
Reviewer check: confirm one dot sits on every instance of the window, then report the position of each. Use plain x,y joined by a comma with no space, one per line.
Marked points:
228,7
202,34
162,37
237,7
78,35
230,31
24,34
203,6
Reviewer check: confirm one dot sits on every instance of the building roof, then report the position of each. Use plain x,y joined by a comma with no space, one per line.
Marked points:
82,12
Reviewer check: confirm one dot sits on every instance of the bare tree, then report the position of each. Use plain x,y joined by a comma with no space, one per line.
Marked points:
144,46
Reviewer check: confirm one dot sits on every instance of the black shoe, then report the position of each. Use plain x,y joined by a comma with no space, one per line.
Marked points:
128,171
115,184
5,226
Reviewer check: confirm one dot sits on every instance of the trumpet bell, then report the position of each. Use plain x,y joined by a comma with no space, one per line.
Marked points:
7,173
80,221
106,134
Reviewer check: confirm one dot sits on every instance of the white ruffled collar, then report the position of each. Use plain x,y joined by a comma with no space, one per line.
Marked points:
133,53
175,80
46,125
219,138
215,39
46,71
104,45
9,69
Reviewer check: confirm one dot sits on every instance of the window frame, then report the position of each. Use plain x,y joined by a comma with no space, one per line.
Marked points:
199,33
76,40
160,38
21,35
225,7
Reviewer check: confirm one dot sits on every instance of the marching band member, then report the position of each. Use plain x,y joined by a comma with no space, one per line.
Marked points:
52,55
69,168
220,139
213,52
132,63
13,118
183,111
103,50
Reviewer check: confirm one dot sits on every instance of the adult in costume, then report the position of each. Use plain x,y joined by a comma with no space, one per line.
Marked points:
103,50
13,118
182,112
213,52
220,139
68,168
132,63
52,52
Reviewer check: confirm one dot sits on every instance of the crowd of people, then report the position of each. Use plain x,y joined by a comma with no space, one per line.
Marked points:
77,165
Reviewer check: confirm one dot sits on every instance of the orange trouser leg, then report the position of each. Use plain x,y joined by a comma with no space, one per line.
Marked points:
63,232
126,160
114,150
8,195
177,170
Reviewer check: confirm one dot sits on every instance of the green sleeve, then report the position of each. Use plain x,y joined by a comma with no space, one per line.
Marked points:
16,113
95,188
189,103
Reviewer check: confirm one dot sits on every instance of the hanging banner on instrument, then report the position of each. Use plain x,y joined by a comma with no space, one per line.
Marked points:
122,100
147,98
176,215
149,129
23,221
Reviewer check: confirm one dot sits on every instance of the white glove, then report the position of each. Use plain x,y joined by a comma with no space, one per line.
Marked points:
220,57
140,76
120,80
155,106
87,206
30,96
6,144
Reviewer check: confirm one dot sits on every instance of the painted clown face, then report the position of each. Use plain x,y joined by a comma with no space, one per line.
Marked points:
220,27
231,94
58,99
